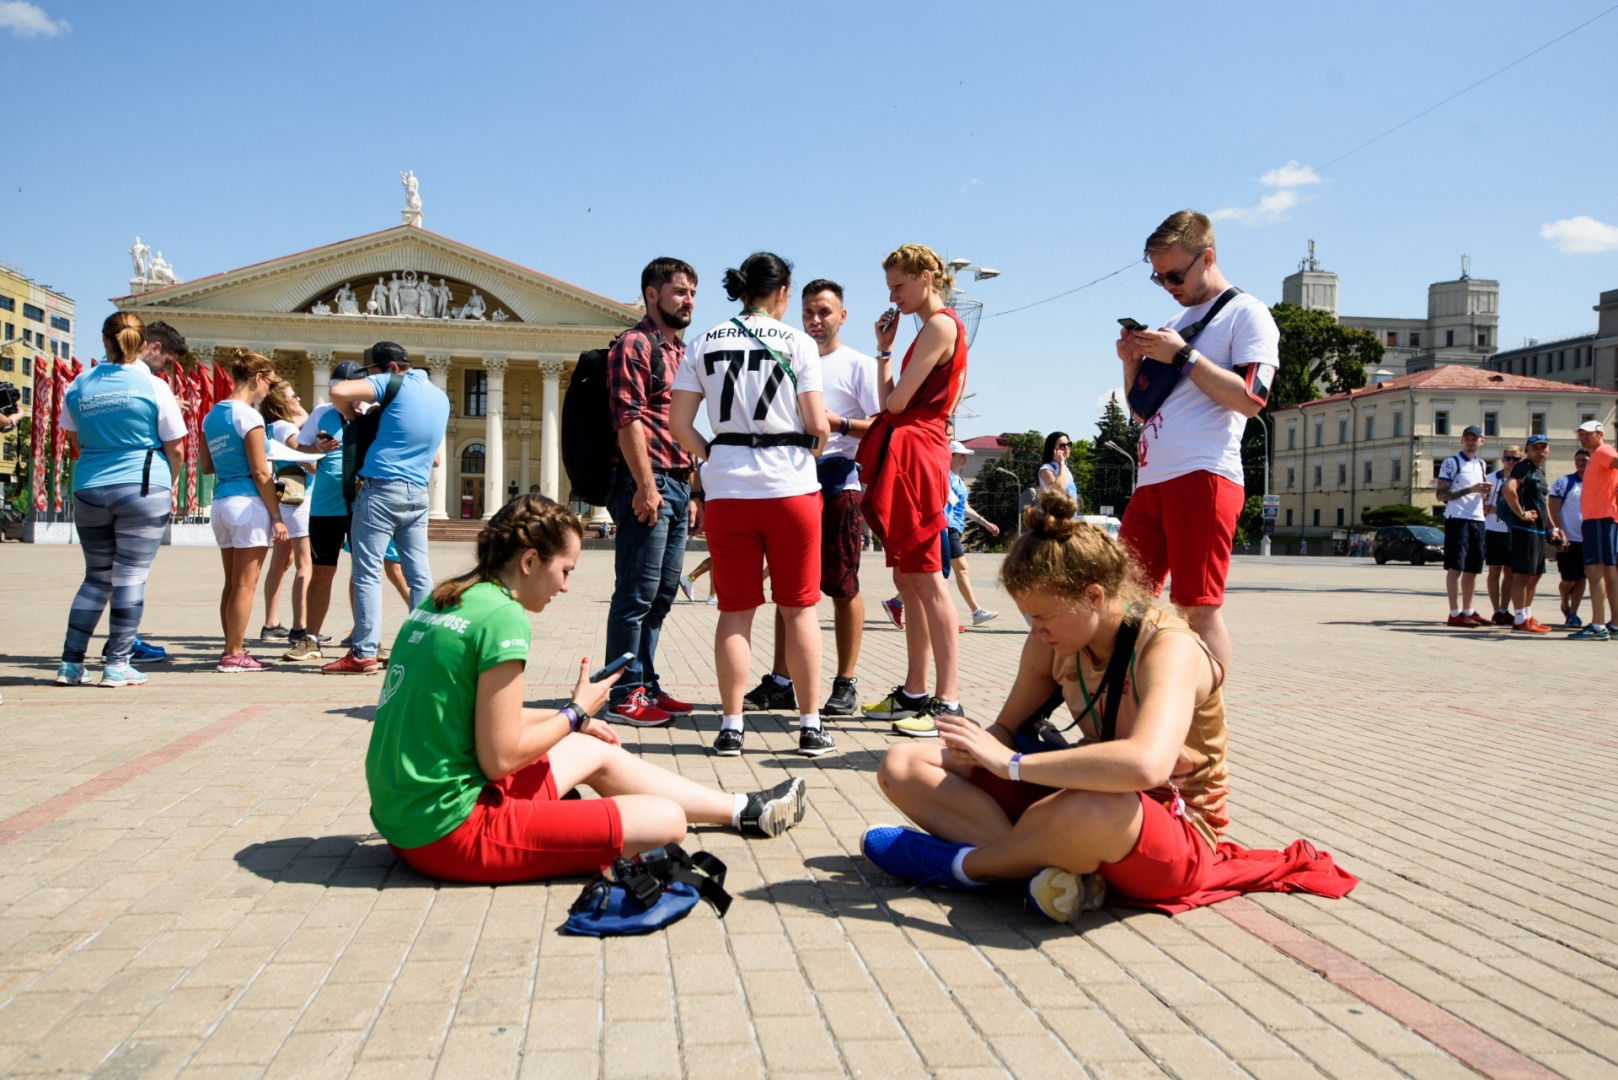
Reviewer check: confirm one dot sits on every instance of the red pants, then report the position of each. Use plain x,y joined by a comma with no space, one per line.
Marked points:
1169,860
745,533
520,830
1182,529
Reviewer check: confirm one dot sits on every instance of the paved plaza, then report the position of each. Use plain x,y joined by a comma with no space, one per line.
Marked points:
190,883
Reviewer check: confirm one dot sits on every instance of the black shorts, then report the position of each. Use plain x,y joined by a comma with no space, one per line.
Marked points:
1496,548
1463,545
841,530
1527,552
1570,562
326,535
956,551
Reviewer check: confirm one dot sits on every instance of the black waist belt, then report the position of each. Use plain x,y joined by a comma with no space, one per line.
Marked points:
788,438
682,475
146,475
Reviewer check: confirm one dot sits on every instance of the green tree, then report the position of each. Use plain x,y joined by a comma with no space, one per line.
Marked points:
998,487
1250,526
1318,351
23,433
1112,478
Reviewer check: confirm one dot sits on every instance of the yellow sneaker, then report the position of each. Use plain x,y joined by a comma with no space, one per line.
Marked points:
1063,895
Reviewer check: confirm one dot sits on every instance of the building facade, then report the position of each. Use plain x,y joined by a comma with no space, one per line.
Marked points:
1583,359
1340,456
36,324
500,339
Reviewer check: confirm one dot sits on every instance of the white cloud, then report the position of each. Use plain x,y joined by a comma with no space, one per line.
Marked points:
968,186
27,20
1286,181
1582,235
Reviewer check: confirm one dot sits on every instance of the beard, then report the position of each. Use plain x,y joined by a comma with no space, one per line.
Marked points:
675,320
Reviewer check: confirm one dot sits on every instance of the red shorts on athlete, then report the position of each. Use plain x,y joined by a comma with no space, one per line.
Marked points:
522,830
842,536
1169,860
1182,529
744,534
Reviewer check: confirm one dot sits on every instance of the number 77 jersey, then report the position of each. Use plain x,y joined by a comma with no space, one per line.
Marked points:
749,391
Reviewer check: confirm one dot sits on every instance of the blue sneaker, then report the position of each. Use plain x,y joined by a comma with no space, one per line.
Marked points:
1572,620
145,653
913,856
116,675
1593,632
72,675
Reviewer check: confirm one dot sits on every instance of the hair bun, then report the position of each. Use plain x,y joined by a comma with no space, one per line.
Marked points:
735,284
1052,516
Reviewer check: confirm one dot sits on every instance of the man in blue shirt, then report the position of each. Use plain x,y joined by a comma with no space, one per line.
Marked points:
392,499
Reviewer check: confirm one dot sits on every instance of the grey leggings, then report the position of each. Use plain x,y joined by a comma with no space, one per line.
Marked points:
120,531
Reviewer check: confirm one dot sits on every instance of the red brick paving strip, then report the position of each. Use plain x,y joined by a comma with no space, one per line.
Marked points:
1443,1029
17,826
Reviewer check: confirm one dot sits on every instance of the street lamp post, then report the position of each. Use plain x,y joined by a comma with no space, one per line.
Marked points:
1134,465
1018,489
1264,543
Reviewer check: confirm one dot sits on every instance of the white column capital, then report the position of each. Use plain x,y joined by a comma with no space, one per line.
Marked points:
202,352
438,364
495,365
552,369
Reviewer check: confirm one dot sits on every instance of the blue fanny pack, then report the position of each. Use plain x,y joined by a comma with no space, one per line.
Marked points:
648,892
833,474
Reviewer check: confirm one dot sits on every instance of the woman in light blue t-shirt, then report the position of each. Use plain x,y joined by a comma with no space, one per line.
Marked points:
127,430
245,513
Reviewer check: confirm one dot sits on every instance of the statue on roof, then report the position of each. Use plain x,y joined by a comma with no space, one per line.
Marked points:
161,271
138,255
347,302
411,214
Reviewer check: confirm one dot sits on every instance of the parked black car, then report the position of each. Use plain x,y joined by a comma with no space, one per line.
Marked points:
11,523
1413,543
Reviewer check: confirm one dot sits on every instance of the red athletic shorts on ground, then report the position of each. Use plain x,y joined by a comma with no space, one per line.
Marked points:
745,533
521,830
841,533
1170,858
1183,528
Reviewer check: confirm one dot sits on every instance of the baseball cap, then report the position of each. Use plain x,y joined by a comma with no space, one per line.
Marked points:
1534,440
959,448
1473,429
1592,425
384,353
347,369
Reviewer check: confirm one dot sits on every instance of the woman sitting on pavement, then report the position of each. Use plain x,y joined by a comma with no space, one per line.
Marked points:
468,784
1140,800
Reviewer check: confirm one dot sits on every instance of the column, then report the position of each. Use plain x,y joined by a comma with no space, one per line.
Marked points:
437,506
320,363
525,431
494,439
550,430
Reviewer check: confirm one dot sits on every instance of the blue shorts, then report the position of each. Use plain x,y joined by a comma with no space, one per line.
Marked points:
1600,542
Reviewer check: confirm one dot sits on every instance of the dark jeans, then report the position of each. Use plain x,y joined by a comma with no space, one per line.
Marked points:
649,559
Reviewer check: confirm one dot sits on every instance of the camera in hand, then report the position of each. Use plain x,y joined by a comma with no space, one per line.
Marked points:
9,397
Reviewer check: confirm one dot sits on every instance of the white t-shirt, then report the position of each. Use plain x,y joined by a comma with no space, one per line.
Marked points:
739,380
1491,520
1569,489
281,429
1192,431
1458,471
849,381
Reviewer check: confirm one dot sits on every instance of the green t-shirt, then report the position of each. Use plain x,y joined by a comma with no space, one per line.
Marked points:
422,766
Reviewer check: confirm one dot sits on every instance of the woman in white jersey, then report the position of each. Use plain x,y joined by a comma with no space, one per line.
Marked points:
245,513
284,415
761,381
126,430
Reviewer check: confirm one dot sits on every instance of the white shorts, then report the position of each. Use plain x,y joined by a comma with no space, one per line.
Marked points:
296,519
240,521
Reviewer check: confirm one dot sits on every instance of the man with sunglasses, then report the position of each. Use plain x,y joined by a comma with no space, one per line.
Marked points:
1497,538
1182,516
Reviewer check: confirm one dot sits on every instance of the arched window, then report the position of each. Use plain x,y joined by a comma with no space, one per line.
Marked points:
472,459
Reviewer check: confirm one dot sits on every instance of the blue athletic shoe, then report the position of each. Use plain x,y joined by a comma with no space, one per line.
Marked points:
72,675
116,675
145,653
1572,620
913,856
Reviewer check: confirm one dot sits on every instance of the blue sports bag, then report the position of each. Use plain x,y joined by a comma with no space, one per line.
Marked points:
648,892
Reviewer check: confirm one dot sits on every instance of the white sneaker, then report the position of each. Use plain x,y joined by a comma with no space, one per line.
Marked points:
685,586
983,615
713,601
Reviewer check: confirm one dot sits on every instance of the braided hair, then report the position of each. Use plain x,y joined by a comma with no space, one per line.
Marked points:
918,259
527,521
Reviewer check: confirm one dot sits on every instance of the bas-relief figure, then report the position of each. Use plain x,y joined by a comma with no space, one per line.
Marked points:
426,299
499,315
320,307
378,304
393,295
474,307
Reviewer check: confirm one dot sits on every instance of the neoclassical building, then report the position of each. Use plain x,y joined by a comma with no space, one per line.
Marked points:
500,339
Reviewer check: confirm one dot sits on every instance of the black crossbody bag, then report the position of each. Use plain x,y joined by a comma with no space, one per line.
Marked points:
1155,380
1037,734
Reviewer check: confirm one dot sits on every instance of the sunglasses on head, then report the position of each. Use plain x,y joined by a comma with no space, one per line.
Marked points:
1176,277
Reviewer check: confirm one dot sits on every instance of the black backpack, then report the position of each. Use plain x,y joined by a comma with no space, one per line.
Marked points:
589,444
358,435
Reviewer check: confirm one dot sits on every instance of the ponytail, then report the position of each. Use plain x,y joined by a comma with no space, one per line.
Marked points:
122,335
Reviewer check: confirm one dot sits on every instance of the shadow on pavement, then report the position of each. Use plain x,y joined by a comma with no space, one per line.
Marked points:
338,862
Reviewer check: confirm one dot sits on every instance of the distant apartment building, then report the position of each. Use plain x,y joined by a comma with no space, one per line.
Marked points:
1340,456
35,322
1461,327
1583,359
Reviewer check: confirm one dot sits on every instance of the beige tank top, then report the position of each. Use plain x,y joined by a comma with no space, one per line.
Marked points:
1200,777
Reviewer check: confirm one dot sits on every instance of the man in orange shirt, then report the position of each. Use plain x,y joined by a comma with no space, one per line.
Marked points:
1600,505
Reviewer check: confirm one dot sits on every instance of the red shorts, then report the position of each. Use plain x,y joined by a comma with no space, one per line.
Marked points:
1169,859
841,537
1183,529
520,830
744,534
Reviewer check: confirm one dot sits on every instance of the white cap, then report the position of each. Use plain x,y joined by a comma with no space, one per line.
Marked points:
959,448
1592,425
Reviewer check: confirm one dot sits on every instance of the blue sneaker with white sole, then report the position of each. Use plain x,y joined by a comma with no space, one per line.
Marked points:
72,675
913,856
147,653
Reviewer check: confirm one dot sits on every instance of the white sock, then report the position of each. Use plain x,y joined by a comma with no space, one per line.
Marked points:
1454,611
955,866
731,723
949,704
736,811
780,680
1523,614
1468,611
809,720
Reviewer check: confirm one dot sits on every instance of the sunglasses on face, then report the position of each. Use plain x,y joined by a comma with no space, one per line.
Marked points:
1063,445
1176,277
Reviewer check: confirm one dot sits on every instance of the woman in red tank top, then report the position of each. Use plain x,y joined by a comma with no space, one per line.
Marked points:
904,464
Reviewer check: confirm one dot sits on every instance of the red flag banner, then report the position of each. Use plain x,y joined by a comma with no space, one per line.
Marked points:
41,432
193,423
179,386
62,375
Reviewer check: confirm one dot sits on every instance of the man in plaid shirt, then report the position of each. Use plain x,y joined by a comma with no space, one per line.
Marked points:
651,498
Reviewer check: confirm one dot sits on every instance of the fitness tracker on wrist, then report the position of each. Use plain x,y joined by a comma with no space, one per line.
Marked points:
1183,358
1014,767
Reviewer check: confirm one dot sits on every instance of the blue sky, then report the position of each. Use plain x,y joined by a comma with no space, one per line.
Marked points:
1043,140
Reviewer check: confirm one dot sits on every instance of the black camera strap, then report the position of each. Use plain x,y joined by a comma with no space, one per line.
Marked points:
1123,651
146,475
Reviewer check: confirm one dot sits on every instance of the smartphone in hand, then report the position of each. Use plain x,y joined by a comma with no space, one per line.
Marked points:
1131,325
613,668
889,317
